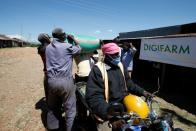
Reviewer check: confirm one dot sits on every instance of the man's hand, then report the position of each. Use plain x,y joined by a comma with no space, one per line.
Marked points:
131,45
72,39
118,124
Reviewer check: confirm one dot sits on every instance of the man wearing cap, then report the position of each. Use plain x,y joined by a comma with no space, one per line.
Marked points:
95,57
83,64
119,84
61,88
44,39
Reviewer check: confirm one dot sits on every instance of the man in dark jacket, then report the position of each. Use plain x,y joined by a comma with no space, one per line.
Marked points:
119,84
44,39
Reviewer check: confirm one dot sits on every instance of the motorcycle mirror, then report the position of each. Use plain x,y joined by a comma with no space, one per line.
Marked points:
158,85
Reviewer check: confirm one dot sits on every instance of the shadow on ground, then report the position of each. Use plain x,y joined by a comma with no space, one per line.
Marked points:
41,105
183,100
86,124
177,116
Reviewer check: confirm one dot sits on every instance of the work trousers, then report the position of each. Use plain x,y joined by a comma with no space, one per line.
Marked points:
61,91
46,87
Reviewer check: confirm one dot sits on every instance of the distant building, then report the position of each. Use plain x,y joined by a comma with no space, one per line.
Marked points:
11,42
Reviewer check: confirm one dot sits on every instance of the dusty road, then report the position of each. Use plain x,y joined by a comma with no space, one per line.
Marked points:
21,88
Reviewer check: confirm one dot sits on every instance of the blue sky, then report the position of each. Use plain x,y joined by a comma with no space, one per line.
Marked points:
101,18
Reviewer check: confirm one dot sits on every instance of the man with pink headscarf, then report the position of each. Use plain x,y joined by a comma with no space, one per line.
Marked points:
119,84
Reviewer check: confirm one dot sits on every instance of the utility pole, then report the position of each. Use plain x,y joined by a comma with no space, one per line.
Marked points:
21,33
29,37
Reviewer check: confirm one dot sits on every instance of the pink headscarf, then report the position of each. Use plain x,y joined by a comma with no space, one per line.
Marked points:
110,48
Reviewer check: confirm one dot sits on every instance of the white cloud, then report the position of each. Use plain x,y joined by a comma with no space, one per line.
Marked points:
97,32
110,30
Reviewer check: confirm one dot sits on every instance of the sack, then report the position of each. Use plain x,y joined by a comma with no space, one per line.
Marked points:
88,43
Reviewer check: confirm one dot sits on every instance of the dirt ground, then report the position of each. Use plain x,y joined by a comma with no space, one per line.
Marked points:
21,91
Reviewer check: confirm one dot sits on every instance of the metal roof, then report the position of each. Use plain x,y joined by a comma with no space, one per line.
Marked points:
3,37
159,32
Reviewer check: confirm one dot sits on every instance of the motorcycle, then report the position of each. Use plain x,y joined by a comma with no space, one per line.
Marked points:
153,122
143,117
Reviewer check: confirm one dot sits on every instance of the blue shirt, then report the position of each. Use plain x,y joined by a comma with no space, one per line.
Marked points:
127,58
59,59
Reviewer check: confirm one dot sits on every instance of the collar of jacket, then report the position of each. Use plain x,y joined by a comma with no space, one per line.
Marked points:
58,40
107,66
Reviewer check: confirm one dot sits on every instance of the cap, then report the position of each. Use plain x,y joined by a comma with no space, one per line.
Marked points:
43,37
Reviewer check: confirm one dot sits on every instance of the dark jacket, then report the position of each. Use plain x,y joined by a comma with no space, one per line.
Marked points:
41,51
95,92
